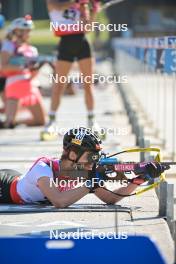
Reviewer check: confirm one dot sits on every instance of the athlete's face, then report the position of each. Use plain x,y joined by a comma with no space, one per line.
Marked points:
23,34
84,159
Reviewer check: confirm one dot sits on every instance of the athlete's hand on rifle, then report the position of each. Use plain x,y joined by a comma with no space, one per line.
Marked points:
148,172
94,179
154,169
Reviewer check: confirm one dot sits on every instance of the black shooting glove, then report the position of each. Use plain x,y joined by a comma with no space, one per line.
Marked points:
148,172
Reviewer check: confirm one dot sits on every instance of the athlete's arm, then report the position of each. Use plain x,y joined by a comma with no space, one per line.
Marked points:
60,199
111,198
85,12
6,66
89,18
94,11
56,4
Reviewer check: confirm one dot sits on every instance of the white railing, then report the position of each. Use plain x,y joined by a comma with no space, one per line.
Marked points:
150,64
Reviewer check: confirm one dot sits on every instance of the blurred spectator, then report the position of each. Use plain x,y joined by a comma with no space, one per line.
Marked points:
16,55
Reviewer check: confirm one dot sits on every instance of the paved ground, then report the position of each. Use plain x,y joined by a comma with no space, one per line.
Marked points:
20,147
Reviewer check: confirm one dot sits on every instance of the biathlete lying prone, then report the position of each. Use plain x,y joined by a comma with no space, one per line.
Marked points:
81,149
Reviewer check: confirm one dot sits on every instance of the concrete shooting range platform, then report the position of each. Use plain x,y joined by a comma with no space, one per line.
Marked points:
21,146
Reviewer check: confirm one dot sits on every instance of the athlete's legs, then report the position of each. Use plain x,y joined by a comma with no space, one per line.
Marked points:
37,110
11,111
2,87
38,115
86,68
6,178
2,97
62,70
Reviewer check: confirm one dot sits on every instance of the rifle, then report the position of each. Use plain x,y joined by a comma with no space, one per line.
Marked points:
33,63
112,164
108,166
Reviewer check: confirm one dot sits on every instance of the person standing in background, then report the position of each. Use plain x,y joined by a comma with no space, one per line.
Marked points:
73,46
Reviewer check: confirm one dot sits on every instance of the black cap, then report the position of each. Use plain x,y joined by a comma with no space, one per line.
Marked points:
83,138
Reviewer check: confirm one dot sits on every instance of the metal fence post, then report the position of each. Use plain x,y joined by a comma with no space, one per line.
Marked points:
170,207
144,143
163,199
174,242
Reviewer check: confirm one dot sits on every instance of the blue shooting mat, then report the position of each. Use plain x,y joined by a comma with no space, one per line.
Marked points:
133,250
